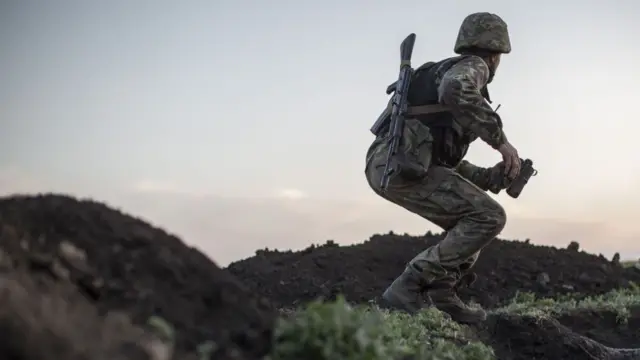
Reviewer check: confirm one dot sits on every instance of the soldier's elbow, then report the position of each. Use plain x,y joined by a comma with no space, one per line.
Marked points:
449,91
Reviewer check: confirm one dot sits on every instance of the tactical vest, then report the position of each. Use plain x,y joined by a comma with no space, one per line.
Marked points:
451,142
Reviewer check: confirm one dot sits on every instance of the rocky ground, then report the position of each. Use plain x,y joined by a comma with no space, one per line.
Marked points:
361,272
84,281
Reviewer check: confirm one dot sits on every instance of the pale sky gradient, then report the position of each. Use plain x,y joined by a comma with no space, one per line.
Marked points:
243,124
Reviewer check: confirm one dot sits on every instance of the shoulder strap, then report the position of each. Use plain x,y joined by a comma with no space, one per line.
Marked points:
427,109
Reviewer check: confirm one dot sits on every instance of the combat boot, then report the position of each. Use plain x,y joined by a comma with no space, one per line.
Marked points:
444,296
406,293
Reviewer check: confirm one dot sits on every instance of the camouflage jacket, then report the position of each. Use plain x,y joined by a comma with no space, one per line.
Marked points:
460,84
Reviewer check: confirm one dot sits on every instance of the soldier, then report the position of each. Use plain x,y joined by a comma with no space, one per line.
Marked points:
452,194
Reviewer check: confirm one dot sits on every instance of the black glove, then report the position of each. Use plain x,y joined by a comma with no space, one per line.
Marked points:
497,179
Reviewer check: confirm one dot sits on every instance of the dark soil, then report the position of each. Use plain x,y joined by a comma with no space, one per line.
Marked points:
578,336
42,319
605,327
361,272
121,263
67,267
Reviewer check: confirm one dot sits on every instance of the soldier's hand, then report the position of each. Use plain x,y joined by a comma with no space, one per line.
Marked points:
511,160
497,178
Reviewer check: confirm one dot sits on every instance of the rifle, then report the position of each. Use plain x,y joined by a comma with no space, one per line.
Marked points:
397,115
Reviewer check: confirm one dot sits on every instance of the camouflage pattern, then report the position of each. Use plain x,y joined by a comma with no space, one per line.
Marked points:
484,178
459,88
452,198
444,197
483,31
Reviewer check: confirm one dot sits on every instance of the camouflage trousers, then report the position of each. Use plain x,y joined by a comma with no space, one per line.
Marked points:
471,218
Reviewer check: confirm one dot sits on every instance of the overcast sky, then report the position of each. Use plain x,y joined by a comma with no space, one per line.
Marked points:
243,124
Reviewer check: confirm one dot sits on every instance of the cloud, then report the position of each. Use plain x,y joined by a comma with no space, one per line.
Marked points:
291,193
166,187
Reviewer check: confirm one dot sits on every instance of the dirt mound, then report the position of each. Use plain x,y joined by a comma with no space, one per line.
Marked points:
591,335
121,263
81,280
42,319
362,272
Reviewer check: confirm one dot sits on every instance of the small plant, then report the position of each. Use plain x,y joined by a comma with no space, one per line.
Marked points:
324,331
334,331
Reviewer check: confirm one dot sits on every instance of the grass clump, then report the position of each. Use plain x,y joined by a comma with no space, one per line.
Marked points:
339,331
336,330
618,301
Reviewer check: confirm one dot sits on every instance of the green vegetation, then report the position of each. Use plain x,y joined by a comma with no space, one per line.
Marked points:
617,301
338,331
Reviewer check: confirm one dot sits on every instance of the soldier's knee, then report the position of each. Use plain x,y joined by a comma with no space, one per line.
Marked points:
497,218
489,218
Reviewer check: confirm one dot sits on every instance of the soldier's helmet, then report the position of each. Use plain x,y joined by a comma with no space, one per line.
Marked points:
483,31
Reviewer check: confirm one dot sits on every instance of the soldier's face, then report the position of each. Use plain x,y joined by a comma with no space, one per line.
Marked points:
493,66
496,61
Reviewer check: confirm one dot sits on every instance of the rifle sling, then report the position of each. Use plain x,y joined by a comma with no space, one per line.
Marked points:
421,109
426,109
